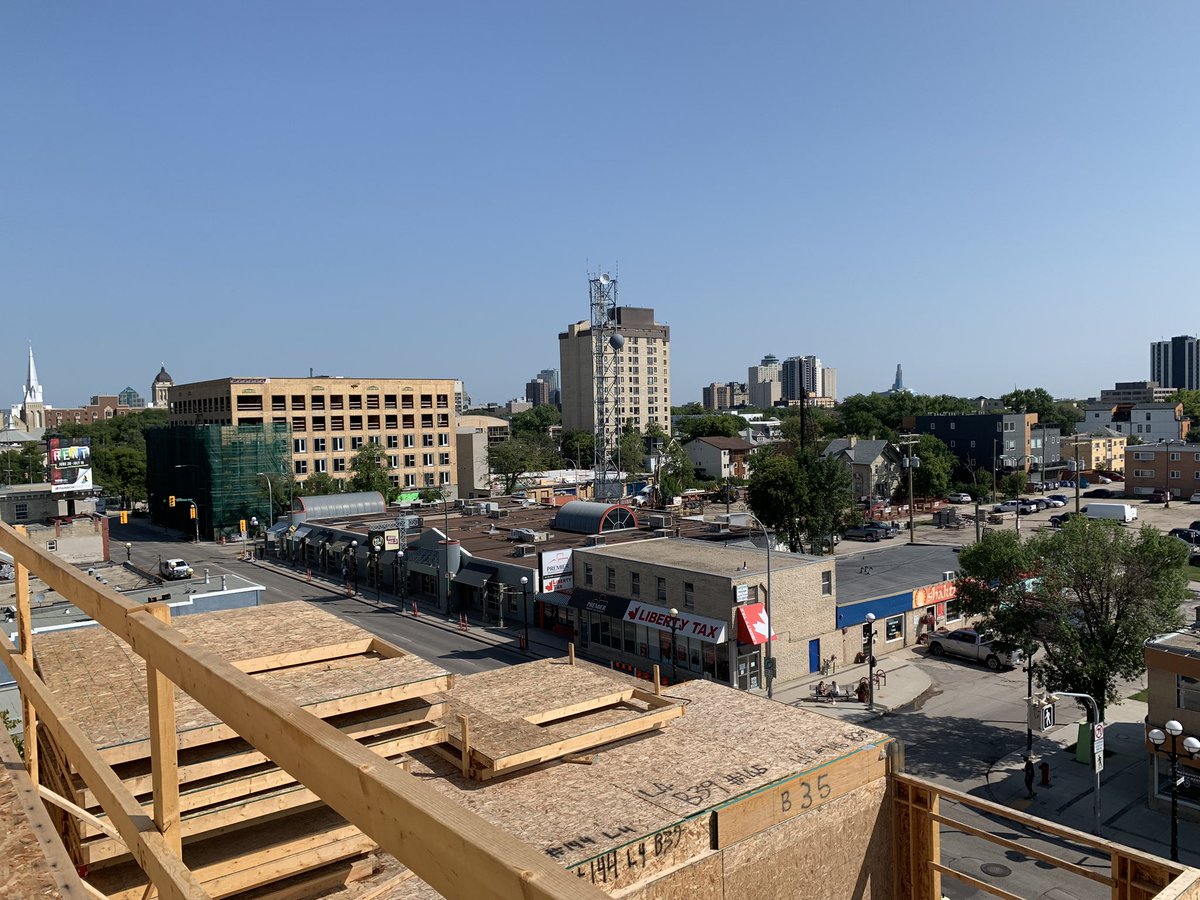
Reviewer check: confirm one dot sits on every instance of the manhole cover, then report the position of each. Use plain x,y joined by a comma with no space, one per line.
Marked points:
996,870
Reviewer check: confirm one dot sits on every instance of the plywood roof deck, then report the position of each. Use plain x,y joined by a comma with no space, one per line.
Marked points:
103,682
728,745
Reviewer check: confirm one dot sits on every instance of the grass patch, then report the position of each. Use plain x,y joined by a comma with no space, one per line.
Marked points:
1140,696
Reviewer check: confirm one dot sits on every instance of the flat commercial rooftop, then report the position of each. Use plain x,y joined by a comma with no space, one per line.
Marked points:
730,560
892,570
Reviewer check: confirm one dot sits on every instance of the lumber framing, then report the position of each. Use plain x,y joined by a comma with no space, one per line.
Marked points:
164,746
304,657
25,639
425,830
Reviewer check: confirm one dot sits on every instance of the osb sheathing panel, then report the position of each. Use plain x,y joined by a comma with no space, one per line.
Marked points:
701,879
650,797
102,682
839,850
32,862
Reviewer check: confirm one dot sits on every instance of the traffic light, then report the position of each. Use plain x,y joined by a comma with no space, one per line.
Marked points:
192,512
124,517
242,525
171,501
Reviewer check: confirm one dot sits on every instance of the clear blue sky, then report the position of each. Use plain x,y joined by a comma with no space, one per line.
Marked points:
990,193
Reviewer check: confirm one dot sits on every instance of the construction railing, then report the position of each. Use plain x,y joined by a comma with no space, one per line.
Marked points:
1131,875
456,852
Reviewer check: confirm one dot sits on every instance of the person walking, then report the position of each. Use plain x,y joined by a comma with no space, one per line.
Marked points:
1030,792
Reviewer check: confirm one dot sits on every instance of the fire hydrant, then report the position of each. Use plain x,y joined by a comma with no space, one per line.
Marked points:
1045,767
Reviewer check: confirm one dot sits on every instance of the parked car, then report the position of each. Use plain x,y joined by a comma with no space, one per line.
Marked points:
1055,502
970,644
1190,536
961,498
1158,496
174,569
1021,507
1102,493
887,530
1061,498
1041,503
862,533
1195,498
1104,479
1062,519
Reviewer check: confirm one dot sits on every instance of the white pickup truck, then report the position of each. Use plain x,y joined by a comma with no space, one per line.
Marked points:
970,644
174,569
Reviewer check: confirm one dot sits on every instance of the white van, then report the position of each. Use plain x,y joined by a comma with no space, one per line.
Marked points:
1121,512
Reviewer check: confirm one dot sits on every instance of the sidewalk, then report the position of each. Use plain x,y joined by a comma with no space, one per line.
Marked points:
1125,816
542,643
902,684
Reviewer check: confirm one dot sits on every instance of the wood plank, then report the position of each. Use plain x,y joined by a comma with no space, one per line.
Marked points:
25,639
575,709
598,738
80,813
1019,847
304,656
768,806
148,847
164,749
428,832
321,882
212,759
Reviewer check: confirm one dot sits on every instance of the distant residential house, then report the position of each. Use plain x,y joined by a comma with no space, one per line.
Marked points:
719,457
874,465
1150,422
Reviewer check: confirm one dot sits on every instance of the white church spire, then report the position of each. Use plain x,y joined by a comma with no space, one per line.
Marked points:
33,390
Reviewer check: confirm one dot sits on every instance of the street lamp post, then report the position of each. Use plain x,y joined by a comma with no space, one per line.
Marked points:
768,663
674,655
871,660
1191,746
354,563
525,607
128,551
911,462
270,519
1093,709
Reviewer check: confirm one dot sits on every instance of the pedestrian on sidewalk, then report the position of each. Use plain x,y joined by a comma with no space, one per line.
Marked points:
1029,778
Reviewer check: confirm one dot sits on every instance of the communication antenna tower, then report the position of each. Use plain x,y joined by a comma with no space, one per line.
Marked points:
606,344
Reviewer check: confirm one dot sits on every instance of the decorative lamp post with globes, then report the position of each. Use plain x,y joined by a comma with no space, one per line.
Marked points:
1191,746
354,563
128,551
871,660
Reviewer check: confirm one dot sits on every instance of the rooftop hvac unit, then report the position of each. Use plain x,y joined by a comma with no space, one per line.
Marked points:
489,506
717,528
594,540
497,513
459,503
659,521
470,509
662,532
523,550
522,534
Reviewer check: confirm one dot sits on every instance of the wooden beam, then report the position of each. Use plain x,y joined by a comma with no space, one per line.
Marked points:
25,639
643,723
465,743
164,748
1025,849
80,813
657,682
304,656
590,705
430,833
148,847
571,653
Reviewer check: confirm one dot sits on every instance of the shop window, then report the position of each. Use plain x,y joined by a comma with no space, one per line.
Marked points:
1188,690
587,574
953,613
826,583
894,628
635,584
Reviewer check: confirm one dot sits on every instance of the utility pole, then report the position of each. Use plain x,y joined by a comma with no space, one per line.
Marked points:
910,462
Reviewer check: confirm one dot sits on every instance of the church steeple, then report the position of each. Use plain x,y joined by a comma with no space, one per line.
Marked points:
899,385
33,390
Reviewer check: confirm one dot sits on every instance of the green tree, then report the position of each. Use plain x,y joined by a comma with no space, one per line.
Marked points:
121,470
932,477
319,483
369,471
830,496
1089,596
632,448
777,494
1049,411
689,409
24,465
538,420
578,446
512,460
719,425
674,472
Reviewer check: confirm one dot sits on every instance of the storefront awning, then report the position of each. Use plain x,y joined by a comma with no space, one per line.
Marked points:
556,598
474,574
752,624
586,599
301,533
278,528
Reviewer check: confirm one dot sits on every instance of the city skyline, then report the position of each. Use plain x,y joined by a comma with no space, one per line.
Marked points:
997,195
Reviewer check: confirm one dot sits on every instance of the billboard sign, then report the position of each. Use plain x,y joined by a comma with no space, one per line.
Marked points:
70,463
556,571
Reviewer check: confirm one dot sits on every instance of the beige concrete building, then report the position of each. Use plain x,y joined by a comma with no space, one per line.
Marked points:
1102,449
643,372
332,418
624,595
475,435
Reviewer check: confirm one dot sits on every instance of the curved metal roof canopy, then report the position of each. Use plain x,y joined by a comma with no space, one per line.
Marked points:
329,506
590,517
